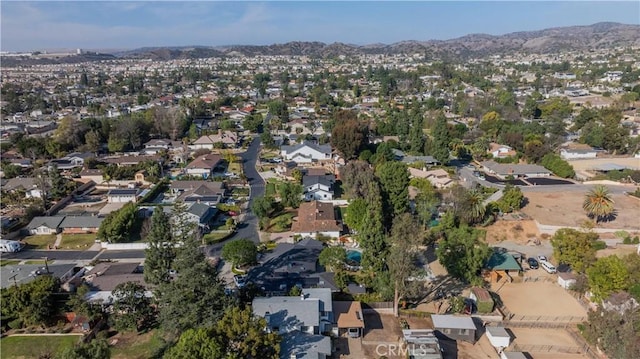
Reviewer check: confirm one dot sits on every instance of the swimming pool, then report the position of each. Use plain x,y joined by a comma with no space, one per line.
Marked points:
354,256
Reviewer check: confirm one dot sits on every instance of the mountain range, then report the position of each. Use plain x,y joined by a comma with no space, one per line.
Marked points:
596,36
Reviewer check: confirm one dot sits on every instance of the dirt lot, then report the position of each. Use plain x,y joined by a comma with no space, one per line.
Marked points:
537,336
565,209
515,231
620,251
380,328
581,165
540,299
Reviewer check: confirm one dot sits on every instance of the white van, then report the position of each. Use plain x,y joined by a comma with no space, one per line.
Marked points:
548,267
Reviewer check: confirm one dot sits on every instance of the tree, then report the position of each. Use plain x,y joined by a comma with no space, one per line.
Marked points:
131,307
598,204
394,180
469,205
372,238
606,276
297,175
290,194
195,298
262,206
261,81
116,227
160,251
348,135
511,200
240,253
574,248
11,170
333,258
196,344
356,177
617,334
406,236
95,349
355,215
79,304
441,139
279,108
557,165
31,303
462,253
243,335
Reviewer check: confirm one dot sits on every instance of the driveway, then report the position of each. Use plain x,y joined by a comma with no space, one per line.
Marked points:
248,228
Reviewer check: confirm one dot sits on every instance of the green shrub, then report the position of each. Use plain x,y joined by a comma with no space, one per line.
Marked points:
15,324
598,245
485,307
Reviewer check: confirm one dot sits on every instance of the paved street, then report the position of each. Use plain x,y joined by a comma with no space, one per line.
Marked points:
52,255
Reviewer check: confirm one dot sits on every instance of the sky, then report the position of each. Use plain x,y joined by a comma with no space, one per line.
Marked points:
31,26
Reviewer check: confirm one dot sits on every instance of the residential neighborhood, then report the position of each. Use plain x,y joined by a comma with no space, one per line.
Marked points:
358,205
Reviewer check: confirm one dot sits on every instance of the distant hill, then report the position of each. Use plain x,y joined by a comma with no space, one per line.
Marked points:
596,36
8,61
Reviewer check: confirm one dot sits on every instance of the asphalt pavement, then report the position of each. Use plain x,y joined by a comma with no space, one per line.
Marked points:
52,255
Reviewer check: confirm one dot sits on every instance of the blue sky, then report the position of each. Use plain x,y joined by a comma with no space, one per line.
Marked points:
109,24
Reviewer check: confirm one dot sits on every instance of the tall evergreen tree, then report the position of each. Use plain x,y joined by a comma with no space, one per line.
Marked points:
160,251
441,140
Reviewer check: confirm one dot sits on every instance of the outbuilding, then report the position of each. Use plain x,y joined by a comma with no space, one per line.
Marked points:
455,327
498,337
566,280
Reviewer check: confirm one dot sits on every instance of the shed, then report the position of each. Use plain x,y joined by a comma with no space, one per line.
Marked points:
482,298
455,327
566,280
512,355
500,264
498,337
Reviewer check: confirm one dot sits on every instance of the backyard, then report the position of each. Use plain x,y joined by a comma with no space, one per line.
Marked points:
133,346
35,346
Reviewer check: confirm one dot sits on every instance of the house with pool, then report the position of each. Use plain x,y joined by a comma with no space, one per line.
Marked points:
316,218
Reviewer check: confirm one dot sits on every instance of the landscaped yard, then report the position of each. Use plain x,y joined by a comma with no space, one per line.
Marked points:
77,241
8,262
132,346
270,189
41,241
35,346
281,223
235,168
215,237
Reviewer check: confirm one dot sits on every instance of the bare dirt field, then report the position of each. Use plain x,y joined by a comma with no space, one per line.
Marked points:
589,164
514,231
380,328
538,336
545,299
620,251
565,209
482,349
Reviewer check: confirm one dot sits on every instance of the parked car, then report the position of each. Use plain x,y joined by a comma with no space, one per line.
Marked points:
240,281
542,258
550,268
533,263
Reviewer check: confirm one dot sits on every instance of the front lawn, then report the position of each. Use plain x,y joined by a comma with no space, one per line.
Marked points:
8,262
131,345
35,346
235,168
77,241
45,241
215,237
281,223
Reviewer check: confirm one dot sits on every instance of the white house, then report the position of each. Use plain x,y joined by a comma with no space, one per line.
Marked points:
122,195
501,151
306,152
28,185
203,166
155,146
228,139
573,154
45,225
318,187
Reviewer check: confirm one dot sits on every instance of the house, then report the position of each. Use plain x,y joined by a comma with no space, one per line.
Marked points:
578,153
25,273
326,310
122,195
566,279
45,225
71,160
104,277
318,187
503,170
501,266
94,175
316,218
500,151
306,152
201,214
28,185
180,187
439,178
455,327
80,224
130,159
156,146
498,337
291,264
349,318
401,156
203,166
228,139
422,344
300,321
140,176
620,302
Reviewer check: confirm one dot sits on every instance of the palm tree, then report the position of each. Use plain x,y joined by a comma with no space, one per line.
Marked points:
598,204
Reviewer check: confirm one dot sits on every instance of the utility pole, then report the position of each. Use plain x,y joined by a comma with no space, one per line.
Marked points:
46,263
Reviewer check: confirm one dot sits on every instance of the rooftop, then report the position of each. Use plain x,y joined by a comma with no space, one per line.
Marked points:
452,322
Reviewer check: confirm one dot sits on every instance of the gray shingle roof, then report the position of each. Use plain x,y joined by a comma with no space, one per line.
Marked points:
452,322
288,312
49,222
305,346
81,222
